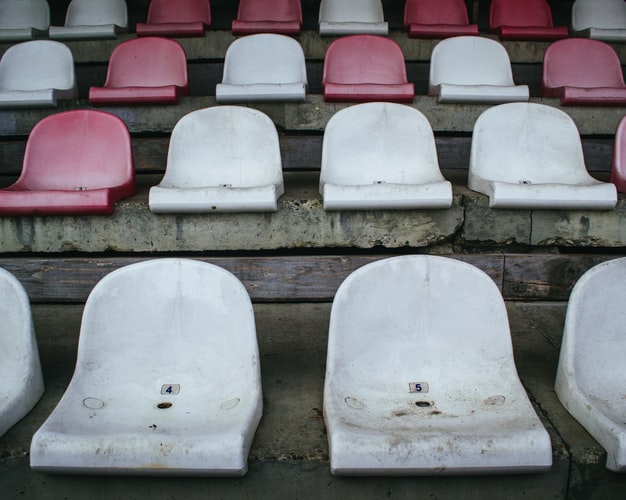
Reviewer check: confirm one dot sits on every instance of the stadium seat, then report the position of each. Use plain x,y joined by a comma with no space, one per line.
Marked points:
22,381
591,374
583,72
338,17
92,19
618,165
466,69
177,19
524,20
527,155
362,68
420,376
167,378
599,19
76,162
378,156
268,16
36,74
148,70
221,159
22,20
264,67
437,19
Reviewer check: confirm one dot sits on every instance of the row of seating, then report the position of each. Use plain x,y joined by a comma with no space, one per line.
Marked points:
269,67
156,392
374,156
511,19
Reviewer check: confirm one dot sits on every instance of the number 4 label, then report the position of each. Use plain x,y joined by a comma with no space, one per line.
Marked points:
420,387
170,388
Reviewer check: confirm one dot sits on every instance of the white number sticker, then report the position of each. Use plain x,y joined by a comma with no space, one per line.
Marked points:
170,389
420,387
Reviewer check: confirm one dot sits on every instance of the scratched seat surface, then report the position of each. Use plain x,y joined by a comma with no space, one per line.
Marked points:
167,378
338,17
22,20
92,19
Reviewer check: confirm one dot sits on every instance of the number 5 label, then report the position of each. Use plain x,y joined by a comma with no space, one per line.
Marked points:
421,387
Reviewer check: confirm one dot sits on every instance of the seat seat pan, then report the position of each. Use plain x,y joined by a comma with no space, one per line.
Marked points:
260,92
441,30
598,96
492,94
400,92
532,32
329,28
167,94
84,32
51,202
253,27
171,29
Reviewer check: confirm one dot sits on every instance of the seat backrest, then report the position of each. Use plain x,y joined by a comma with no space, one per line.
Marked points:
535,13
518,142
270,10
96,12
379,142
147,62
580,62
15,14
364,11
77,150
606,14
264,58
181,11
435,12
470,60
37,65
618,162
358,59
223,145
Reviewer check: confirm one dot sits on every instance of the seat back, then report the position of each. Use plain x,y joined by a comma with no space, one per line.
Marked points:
379,142
604,14
535,13
618,164
357,59
16,14
181,11
264,58
96,13
270,10
224,145
36,65
362,11
470,60
77,150
147,62
435,12
579,62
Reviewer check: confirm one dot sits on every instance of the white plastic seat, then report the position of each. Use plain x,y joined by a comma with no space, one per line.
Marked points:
221,159
420,376
22,381
473,69
527,155
338,17
22,20
263,67
591,375
36,74
92,19
167,378
381,156
599,19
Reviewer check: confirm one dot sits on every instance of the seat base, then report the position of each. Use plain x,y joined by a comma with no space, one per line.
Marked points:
171,29
94,202
260,92
441,30
601,96
352,28
103,31
367,92
20,34
278,27
491,94
102,96
603,34
532,33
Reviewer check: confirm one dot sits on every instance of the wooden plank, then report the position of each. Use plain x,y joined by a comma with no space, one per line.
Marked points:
267,279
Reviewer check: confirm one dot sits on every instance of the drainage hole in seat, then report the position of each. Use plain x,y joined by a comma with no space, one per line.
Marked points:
164,405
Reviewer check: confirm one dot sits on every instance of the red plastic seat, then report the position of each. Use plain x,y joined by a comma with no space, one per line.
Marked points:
437,19
76,162
268,16
618,165
364,68
524,20
180,18
582,71
148,70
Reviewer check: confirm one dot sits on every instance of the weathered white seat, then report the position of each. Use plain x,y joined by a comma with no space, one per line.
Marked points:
599,19
420,376
92,19
381,156
22,382
36,74
167,377
527,155
338,17
473,69
263,67
221,159
591,375
23,19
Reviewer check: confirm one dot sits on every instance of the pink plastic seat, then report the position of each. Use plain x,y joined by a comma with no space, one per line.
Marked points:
583,72
181,18
268,16
148,70
437,19
618,165
365,68
524,20
76,162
